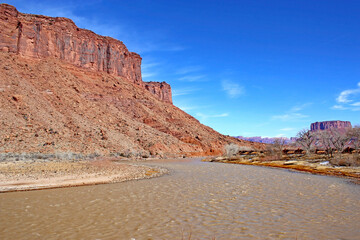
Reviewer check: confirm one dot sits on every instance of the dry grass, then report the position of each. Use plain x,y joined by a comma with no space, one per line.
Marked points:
346,160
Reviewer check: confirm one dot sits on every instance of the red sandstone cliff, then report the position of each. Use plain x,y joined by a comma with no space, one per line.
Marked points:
78,95
36,36
317,126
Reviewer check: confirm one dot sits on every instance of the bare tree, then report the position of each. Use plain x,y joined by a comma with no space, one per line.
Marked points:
324,137
354,135
279,144
339,140
231,149
305,139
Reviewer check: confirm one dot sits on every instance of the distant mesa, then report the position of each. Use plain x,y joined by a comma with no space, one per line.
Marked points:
318,126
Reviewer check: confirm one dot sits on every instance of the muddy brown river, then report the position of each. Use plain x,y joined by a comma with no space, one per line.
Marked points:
196,200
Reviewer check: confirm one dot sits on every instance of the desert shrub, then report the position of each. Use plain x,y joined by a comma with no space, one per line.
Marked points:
245,149
346,160
231,149
42,156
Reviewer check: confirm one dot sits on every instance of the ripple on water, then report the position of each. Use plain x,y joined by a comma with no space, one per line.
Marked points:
204,199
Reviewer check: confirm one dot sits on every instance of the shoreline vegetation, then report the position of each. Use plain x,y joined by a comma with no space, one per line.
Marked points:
313,163
38,174
331,151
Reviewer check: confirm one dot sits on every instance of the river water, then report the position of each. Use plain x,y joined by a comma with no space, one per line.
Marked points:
196,200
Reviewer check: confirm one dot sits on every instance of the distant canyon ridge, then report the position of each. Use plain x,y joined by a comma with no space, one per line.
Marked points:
314,127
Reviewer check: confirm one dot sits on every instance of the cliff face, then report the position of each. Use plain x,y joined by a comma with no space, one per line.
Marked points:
161,90
40,36
35,36
317,126
84,93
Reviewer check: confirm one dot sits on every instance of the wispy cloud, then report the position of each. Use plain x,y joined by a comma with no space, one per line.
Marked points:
300,107
232,89
192,78
146,66
348,99
183,91
289,117
187,108
203,116
149,69
188,69
146,75
293,114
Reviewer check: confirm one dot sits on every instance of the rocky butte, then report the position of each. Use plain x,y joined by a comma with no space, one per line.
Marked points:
64,89
36,36
317,126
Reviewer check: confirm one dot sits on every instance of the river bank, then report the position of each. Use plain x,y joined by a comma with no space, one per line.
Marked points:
38,174
315,166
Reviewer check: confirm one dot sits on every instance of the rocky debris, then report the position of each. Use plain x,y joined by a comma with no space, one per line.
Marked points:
317,126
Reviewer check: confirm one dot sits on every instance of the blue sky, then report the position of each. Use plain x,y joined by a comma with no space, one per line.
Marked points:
251,68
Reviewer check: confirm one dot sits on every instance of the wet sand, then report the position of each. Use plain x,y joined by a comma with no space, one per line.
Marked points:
46,174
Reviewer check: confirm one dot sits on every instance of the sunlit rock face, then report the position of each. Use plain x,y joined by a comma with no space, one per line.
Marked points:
161,89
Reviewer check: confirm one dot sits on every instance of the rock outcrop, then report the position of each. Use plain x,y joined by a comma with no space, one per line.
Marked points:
317,126
36,36
161,89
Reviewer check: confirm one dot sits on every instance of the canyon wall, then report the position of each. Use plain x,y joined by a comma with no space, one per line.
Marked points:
317,126
36,36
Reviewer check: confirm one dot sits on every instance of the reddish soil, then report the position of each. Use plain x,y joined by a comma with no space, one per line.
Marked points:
48,106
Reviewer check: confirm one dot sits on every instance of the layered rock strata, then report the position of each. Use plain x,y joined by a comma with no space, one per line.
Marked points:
36,36
161,89
317,126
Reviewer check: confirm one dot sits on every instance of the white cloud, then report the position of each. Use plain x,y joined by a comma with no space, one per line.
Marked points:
292,115
187,108
206,116
192,78
189,69
348,99
299,107
184,91
147,66
232,89
338,107
148,74
289,117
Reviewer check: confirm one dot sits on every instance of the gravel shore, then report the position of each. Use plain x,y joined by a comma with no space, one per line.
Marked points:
44,174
